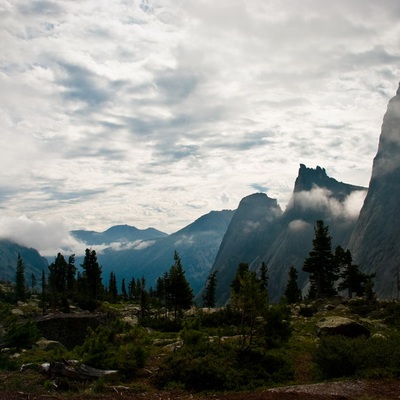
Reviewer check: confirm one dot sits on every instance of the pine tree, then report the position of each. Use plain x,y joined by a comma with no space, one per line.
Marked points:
250,298
33,283
91,286
44,291
112,287
320,264
178,291
57,282
242,269
292,291
71,279
353,280
123,290
209,295
20,282
144,298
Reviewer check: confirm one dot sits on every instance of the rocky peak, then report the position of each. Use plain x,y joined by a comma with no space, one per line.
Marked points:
375,241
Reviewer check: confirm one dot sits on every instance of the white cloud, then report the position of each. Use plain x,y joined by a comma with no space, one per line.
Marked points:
321,200
153,113
298,225
48,238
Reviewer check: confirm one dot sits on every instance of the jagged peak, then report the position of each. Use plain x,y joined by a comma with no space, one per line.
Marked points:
398,90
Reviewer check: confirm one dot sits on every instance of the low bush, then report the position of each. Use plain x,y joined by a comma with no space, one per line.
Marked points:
116,346
223,367
339,356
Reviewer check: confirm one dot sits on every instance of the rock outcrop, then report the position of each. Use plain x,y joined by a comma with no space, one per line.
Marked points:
375,241
316,196
260,232
341,326
252,229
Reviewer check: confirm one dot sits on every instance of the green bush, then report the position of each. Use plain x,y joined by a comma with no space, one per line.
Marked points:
339,356
223,367
21,334
277,329
116,346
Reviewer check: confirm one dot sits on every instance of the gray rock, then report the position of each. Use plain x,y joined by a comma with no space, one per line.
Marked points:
47,345
341,326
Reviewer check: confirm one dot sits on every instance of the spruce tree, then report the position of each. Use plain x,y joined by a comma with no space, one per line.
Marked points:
112,287
292,291
20,282
209,295
91,286
320,264
57,282
123,290
179,293
353,280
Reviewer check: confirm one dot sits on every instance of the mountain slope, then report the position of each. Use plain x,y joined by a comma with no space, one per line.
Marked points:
118,233
34,263
259,231
315,196
197,245
251,231
375,242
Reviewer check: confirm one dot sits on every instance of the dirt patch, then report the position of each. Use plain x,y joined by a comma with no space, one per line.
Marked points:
347,390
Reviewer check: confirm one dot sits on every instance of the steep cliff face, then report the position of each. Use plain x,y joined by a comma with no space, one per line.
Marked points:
259,231
315,196
375,241
251,231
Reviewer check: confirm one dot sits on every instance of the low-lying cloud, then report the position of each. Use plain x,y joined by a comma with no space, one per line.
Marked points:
321,199
48,238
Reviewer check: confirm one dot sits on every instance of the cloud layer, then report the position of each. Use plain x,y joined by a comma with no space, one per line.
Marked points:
153,113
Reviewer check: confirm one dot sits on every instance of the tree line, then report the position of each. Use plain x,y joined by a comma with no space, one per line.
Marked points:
330,272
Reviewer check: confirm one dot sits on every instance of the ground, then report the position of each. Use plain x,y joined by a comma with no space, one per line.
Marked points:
346,390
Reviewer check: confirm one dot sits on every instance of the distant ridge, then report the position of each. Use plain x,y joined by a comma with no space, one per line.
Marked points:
117,233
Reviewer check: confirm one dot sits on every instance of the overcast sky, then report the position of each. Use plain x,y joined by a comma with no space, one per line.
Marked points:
155,112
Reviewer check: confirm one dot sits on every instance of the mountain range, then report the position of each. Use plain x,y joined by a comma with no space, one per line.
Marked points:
259,231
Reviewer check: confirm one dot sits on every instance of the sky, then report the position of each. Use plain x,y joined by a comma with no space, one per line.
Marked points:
152,113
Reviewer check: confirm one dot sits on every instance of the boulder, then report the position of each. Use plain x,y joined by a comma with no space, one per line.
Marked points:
47,345
341,326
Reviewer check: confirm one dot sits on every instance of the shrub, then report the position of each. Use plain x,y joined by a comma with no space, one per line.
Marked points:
223,367
116,346
277,330
339,356
21,334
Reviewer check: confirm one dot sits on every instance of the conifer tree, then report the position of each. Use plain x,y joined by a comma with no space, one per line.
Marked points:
250,298
71,278
292,291
209,295
320,264
112,287
123,290
57,282
353,280
20,282
91,286
178,291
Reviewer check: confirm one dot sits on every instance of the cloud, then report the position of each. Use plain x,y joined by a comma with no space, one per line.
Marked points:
46,237
298,225
320,200
107,110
